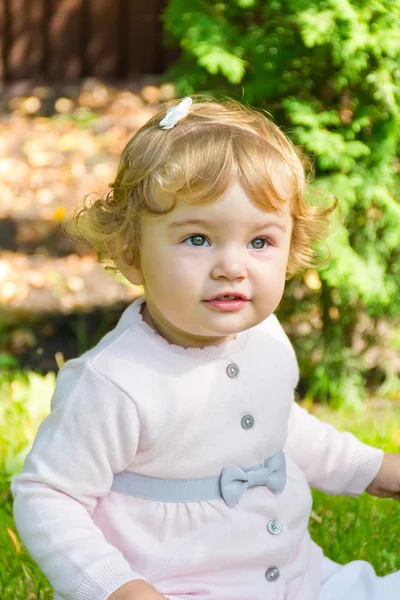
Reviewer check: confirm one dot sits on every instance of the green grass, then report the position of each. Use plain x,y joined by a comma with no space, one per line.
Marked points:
346,528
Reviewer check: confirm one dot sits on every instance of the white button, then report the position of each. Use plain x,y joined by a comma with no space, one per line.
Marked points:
274,527
272,574
247,422
232,370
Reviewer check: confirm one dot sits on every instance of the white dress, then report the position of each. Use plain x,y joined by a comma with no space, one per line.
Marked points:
357,580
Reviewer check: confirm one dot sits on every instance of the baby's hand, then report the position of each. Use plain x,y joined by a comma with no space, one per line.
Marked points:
136,590
387,482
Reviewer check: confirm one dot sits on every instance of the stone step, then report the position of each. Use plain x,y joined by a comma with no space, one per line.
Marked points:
37,236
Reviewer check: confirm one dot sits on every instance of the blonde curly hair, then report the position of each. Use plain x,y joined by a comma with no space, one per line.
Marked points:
215,144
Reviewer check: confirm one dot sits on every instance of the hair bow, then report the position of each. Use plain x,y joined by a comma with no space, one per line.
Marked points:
235,481
176,113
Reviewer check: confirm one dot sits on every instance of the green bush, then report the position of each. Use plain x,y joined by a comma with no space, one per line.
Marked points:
328,72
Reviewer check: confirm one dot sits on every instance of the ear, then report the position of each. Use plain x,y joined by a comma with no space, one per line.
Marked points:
131,273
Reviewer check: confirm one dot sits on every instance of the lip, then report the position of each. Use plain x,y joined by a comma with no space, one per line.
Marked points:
239,296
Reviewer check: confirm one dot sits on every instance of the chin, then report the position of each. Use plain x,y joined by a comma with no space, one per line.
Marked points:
228,331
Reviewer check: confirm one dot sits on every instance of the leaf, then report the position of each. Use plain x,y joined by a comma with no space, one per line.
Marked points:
59,213
316,27
14,540
216,59
245,3
8,361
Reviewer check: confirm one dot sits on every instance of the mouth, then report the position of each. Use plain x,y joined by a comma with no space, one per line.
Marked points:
227,297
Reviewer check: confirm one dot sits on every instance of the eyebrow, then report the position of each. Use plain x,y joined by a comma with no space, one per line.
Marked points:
205,223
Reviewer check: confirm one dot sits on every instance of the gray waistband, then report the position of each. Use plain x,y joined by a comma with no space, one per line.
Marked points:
230,485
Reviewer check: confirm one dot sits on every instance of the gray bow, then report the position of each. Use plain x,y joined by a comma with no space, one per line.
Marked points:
235,481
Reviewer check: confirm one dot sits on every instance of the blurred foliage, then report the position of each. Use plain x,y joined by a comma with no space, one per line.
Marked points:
329,73
24,402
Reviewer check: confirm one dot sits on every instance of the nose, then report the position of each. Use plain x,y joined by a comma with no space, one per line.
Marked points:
229,263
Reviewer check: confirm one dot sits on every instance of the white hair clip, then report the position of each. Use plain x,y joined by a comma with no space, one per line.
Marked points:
176,113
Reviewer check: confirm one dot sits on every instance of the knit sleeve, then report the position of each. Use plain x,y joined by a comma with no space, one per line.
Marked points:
334,462
91,433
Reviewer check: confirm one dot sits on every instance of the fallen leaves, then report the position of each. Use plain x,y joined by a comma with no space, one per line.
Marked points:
37,285
58,146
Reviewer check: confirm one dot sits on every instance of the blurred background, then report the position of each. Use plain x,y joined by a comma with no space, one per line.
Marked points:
77,80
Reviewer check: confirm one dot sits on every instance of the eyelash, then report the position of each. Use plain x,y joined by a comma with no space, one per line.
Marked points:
267,241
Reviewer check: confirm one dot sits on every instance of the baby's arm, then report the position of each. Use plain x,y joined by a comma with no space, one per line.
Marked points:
91,433
387,482
137,590
334,462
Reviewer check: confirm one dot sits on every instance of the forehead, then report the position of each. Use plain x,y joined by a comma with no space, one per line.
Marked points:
233,208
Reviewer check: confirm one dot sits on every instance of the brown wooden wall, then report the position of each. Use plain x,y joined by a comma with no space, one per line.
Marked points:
67,39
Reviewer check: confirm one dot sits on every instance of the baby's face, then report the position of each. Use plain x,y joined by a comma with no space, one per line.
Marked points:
198,252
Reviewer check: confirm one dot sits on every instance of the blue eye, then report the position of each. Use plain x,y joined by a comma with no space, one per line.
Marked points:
196,241
259,243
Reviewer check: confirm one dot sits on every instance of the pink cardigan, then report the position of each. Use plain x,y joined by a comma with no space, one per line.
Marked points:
135,402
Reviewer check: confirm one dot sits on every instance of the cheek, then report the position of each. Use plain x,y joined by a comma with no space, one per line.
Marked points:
175,271
271,273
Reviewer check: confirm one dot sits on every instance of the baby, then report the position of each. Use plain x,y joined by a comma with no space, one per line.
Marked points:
174,462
